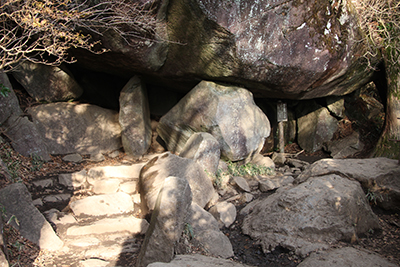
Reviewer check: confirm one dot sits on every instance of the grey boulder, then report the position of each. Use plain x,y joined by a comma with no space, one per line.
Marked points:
379,176
134,118
311,216
160,167
345,257
197,261
32,225
68,128
204,149
226,112
167,221
47,83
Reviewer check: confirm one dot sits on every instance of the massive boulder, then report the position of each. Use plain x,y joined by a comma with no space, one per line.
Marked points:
77,128
311,216
298,50
134,118
227,112
380,177
48,83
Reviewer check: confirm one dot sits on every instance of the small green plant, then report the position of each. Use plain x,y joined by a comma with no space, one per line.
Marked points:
3,213
248,169
4,90
37,162
13,168
188,231
19,247
218,178
13,218
13,165
372,197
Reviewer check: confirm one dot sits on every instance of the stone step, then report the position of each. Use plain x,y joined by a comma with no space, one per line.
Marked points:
103,205
128,224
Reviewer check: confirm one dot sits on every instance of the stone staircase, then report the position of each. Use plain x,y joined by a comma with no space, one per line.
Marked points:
101,222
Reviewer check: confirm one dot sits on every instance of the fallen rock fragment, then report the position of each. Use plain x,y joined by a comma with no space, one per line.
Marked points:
224,213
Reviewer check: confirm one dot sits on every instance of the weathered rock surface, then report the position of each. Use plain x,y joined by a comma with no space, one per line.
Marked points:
129,224
315,126
345,257
76,158
104,186
73,180
57,217
47,83
227,112
77,128
167,222
123,171
134,118
379,175
266,161
311,216
278,158
98,205
206,232
32,225
26,138
320,208
281,50
266,184
203,148
197,261
9,105
335,105
156,170
345,147
224,213
240,183
93,263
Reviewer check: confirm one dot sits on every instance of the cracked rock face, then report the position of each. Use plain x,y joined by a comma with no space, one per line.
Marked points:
280,49
294,49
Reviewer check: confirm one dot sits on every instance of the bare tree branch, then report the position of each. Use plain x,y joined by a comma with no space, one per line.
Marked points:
380,21
43,30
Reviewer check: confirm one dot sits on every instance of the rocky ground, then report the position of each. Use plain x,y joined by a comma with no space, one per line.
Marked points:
21,252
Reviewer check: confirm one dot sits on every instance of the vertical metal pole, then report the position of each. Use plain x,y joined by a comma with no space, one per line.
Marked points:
281,117
281,138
